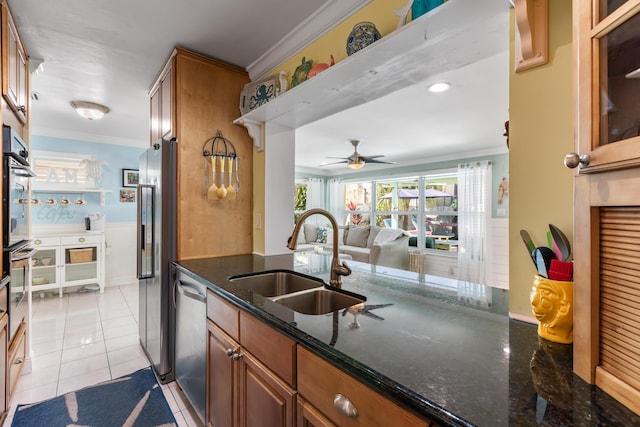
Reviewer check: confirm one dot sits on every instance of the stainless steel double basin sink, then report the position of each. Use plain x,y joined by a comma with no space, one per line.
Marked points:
301,293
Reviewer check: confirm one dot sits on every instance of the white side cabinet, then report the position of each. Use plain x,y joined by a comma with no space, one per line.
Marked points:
68,260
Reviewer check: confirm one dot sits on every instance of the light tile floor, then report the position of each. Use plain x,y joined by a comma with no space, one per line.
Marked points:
85,338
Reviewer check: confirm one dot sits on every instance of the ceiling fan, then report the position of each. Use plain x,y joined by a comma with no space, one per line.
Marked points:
357,161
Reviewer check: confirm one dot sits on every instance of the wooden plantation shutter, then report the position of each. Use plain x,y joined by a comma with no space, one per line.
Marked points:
620,293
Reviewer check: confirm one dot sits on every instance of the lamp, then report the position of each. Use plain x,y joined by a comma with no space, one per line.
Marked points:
89,110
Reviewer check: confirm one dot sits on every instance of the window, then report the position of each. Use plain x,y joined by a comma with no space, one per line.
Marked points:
397,203
357,203
299,199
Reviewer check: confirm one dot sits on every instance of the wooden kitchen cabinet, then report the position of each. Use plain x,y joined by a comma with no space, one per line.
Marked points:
242,389
14,67
16,356
308,416
606,314
162,113
193,97
4,343
319,383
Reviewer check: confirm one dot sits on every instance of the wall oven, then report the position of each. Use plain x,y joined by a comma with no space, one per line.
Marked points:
16,256
15,191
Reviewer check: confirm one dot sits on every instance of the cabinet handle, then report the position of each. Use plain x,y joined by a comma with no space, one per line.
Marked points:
18,361
344,406
22,109
237,356
573,160
81,239
231,352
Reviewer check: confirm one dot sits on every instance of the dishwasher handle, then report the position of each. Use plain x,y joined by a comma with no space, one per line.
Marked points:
191,291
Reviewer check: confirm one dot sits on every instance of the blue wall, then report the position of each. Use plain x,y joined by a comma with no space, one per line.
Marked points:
117,157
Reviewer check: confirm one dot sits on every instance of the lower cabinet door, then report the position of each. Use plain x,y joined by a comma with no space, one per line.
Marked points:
4,404
265,400
222,382
308,416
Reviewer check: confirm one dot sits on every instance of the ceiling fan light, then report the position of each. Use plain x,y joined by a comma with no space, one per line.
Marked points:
89,110
439,87
356,165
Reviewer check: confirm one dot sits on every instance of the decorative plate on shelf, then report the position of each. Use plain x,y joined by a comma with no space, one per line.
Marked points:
362,35
258,93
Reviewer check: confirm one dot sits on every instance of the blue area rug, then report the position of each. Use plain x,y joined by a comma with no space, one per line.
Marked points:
134,400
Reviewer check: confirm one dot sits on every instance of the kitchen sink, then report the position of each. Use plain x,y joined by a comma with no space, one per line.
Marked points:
318,301
276,282
301,293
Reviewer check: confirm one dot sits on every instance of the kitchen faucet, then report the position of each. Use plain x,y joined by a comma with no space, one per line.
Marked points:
337,270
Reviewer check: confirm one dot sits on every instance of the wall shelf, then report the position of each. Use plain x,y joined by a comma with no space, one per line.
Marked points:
102,192
391,63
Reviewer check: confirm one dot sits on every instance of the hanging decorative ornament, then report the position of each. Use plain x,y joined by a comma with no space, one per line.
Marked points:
93,168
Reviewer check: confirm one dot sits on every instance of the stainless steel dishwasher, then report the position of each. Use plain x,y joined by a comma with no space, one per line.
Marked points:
191,340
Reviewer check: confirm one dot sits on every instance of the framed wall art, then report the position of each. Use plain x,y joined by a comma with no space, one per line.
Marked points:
127,196
129,177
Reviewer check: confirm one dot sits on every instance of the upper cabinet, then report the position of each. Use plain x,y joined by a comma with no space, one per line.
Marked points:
192,98
14,67
161,106
608,75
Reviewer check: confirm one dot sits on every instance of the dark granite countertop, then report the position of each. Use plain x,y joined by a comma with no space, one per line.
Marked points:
450,353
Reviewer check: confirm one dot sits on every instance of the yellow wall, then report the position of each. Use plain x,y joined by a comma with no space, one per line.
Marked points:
541,134
334,42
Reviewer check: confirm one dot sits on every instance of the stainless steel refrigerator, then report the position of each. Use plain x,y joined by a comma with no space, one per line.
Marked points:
156,250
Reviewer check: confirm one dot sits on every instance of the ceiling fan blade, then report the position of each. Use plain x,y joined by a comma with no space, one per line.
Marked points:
380,161
341,158
333,163
368,158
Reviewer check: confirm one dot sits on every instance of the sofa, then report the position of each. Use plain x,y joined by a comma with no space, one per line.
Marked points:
374,245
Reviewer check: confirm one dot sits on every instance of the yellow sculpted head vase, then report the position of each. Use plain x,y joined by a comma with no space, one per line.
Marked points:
552,304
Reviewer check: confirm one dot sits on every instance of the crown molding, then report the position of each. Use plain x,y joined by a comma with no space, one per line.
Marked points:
320,22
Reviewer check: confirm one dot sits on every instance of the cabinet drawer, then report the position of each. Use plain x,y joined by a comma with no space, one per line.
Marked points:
80,240
319,382
46,241
224,314
17,355
275,350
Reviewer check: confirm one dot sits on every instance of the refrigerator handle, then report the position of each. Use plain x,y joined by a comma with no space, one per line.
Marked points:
142,233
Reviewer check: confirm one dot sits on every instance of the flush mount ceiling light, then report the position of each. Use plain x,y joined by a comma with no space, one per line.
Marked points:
89,110
439,87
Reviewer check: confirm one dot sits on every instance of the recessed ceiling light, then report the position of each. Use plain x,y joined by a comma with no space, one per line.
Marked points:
439,87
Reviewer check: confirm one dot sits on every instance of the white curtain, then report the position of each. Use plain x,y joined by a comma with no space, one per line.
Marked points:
336,199
315,199
474,212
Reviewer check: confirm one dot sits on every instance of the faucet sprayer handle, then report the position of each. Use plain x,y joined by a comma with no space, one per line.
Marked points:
345,270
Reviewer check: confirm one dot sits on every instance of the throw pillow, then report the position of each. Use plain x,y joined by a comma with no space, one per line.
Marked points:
310,232
358,236
322,235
